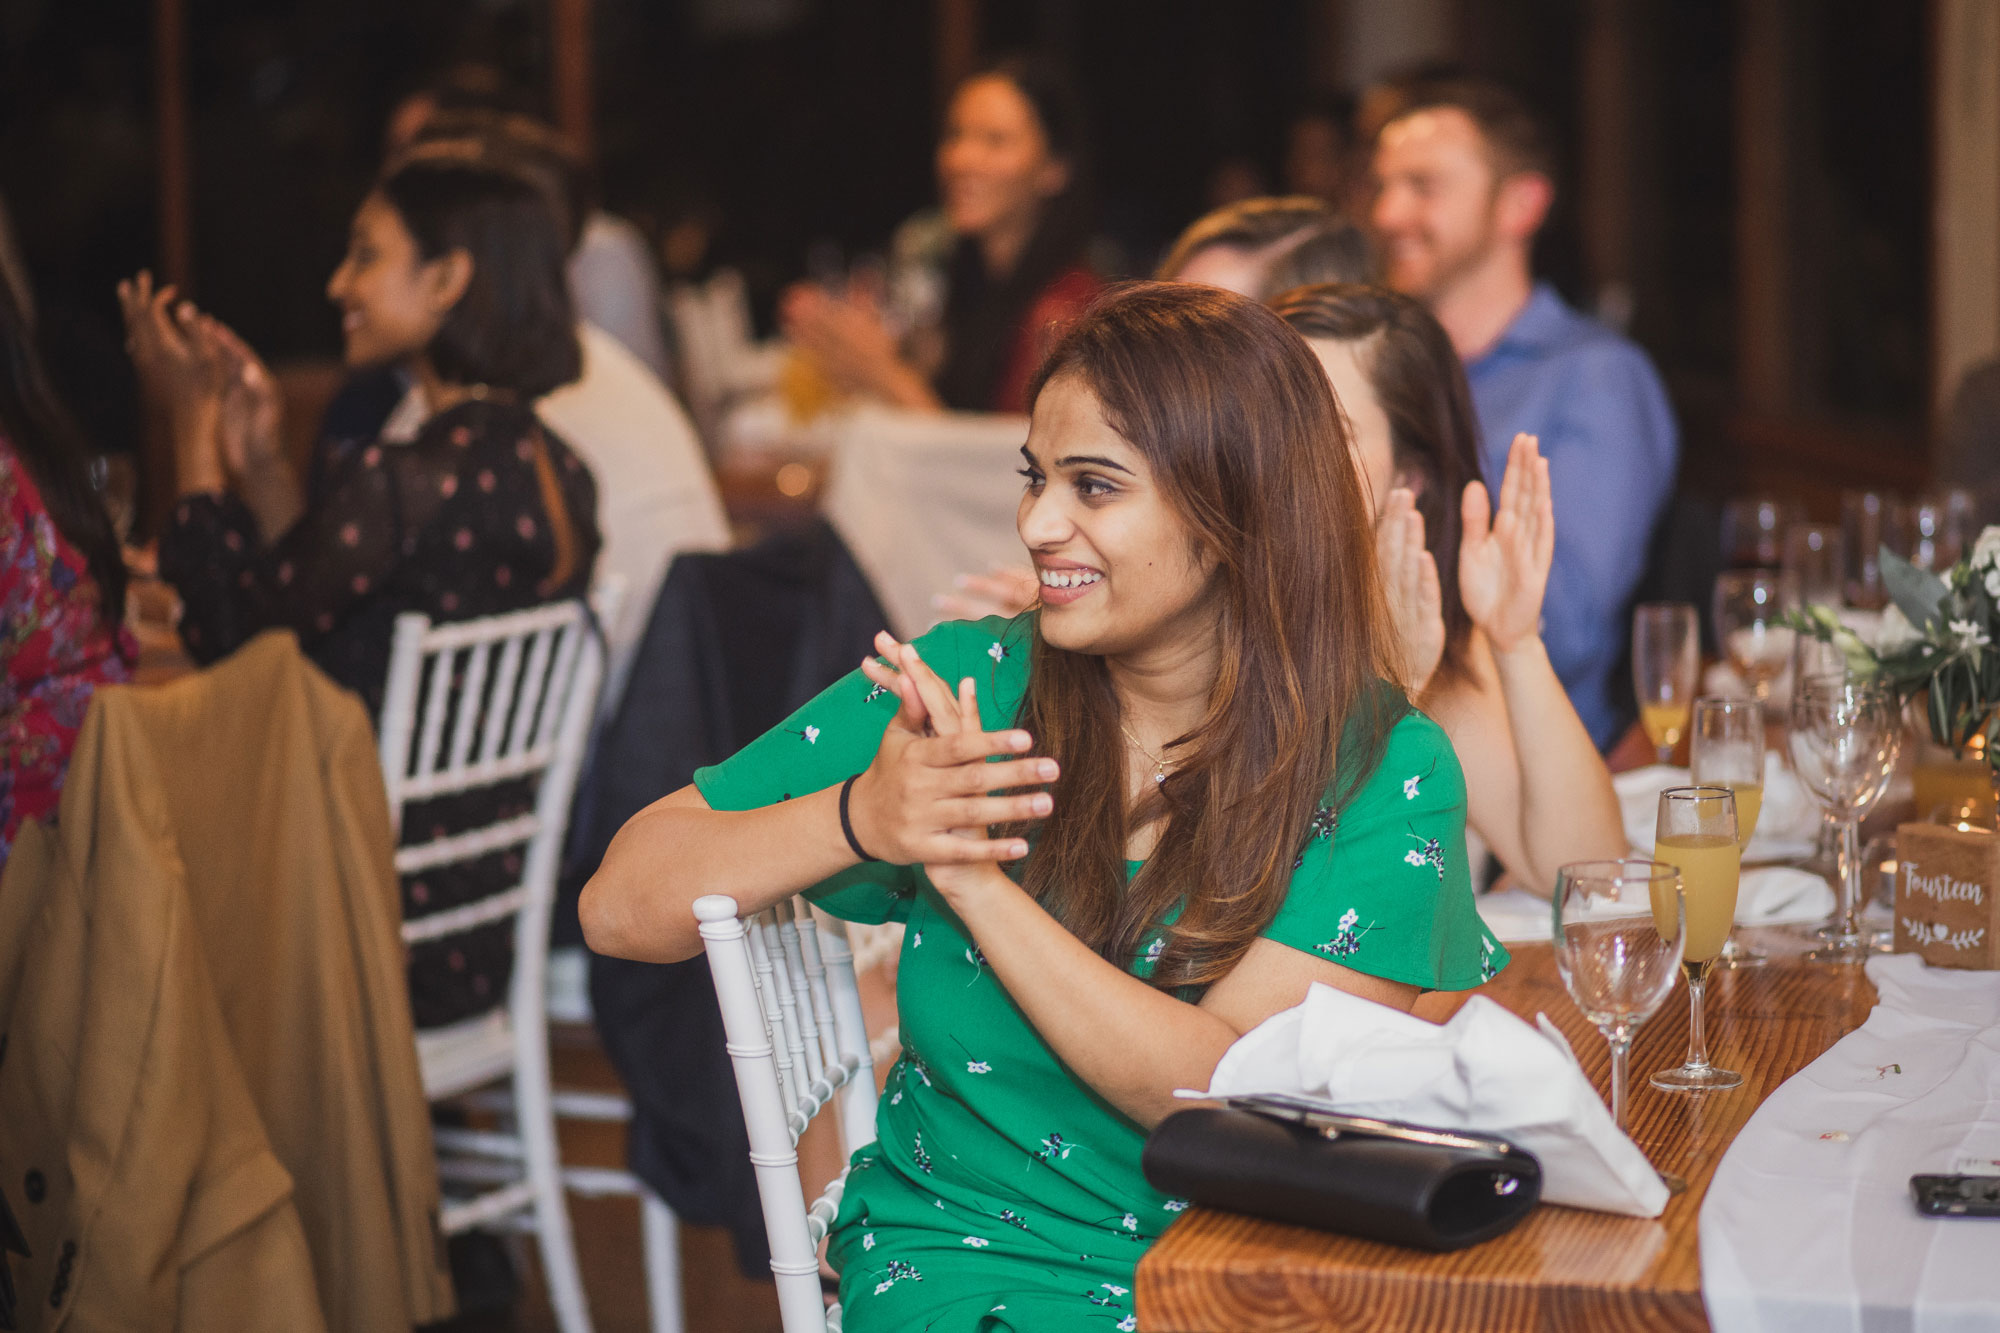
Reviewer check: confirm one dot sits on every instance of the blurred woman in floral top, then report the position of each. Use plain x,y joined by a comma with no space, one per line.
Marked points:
62,583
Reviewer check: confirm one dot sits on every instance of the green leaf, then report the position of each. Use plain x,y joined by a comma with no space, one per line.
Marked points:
1916,592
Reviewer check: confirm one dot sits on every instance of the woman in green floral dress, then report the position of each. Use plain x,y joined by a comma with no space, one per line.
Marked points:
1152,813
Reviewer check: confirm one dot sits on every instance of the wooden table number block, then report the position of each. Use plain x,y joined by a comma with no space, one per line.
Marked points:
1946,908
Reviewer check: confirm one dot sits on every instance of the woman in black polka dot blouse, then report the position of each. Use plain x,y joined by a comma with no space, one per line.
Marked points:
456,272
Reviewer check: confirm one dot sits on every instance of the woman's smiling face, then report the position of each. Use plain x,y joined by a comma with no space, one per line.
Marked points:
1119,568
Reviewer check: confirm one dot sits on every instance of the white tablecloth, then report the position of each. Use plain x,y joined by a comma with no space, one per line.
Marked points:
1809,1226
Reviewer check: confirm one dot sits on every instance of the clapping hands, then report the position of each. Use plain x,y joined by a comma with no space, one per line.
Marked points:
1410,580
1504,559
925,799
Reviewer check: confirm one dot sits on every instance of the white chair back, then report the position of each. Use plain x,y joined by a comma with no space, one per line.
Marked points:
468,705
791,1012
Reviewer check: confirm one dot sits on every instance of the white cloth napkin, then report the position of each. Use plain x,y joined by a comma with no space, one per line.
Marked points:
1485,1070
1772,896
1786,827
1809,1224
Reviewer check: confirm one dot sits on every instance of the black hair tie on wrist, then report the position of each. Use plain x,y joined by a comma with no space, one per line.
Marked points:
847,823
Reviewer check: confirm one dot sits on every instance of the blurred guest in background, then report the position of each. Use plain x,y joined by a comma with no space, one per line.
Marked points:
656,496
456,272
1013,175
1466,178
1260,247
1969,455
1465,585
1319,152
613,280
62,582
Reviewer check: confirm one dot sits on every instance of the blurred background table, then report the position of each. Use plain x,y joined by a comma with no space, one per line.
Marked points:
1562,1269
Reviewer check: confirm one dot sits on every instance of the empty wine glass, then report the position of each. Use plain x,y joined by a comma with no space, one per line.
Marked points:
1696,834
1753,529
1846,733
1726,749
1666,647
1816,563
1871,521
1746,608
1619,927
1942,528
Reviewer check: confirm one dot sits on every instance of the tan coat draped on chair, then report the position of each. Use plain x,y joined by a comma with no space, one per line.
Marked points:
211,1113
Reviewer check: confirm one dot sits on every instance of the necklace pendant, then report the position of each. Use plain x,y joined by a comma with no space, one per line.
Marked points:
1160,776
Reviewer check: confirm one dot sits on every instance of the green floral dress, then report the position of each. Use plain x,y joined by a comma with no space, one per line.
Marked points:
1002,1193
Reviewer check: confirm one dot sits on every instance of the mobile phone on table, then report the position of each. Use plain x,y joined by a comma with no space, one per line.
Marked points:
1957,1196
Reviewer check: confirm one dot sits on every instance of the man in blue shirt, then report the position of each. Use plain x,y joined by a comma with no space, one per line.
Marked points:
1465,182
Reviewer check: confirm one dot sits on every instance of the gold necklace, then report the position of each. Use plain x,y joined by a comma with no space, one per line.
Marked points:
1158,761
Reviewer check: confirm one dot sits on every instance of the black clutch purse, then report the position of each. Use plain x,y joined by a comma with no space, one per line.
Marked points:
1298,1161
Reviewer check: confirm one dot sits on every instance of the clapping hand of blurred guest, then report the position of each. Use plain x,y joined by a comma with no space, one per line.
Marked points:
1503,561
177,378
1007,590
1410,579
851,342
249,429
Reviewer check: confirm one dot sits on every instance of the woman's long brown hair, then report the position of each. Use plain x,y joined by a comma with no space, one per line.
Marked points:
1233,415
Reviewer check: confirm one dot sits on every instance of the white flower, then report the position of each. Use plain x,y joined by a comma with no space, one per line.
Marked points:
897,1100
811,734
1130,1223
1350,916
868,1241
1414,858
978,1067
976,1242
1128,1324
1894,632
1175,1205
1410,788
1969,634
996,652
1115,1289
1986,551
881,1287
1155,949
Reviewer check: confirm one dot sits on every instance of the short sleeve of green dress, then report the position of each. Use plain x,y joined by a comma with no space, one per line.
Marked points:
1001,1192
1382,885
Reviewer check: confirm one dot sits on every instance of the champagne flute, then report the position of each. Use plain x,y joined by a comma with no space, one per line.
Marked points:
1696,833
1816,563
1871,521
1746,608
1726,749
1845,736
1753,529
1617,953
1666,643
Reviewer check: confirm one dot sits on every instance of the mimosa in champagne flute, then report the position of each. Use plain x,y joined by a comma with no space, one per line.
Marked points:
1727,750
1696,832
1665,657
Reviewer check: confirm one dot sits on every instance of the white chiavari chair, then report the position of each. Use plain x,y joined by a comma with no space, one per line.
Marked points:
791,1012
469,705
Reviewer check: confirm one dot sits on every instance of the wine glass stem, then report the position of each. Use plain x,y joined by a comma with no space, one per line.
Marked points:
1697,975
1621,1047
1849,864
1666,754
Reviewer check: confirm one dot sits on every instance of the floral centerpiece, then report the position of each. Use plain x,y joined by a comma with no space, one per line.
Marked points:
1938,635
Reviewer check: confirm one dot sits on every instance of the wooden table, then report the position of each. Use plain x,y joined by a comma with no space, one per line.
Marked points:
1564,1268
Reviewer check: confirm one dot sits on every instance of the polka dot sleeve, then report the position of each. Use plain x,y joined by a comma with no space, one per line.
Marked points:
233,587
